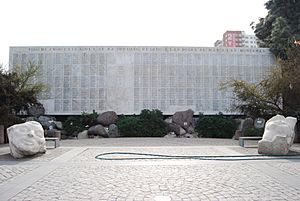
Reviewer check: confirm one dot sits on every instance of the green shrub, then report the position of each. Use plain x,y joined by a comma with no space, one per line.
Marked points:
254,131
152,123
147,124
73,125
129,126
76,124
89,119
217,126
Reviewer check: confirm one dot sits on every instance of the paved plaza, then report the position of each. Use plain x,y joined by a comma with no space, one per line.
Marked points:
71,172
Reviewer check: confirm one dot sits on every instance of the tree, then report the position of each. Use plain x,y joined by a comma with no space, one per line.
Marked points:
257,99
278,93
280,26
291,87
19,90
281,38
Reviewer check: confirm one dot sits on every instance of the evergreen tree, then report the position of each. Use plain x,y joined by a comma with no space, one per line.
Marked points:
280,27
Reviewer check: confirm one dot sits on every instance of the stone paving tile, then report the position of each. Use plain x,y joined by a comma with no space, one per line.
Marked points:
246,151
220,181
295,149
150,142
8,172
82,177
89,154
289,168
50,155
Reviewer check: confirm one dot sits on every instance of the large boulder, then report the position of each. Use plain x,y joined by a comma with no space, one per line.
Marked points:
113,131
243,125
189,135
26,139
32,119
178,130
239,123
182,131
170,135
83,135
47,122
107,118
184,118
190,129
247,123
97,130
278,136
168,120
58,125
237,134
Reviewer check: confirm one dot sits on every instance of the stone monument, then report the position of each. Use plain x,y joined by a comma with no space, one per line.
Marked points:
278,135
26,139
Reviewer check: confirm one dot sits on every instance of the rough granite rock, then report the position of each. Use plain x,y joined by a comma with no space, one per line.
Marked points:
46,121
182,131
237,134
188,135
247,123
113,131
170,135
83,135
239,122
190,130
58,125
184,118
98,130
174,128
168,120
32,119
107,118
26,139
278,136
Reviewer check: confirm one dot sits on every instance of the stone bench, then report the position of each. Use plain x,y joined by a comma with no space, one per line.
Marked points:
55,139
242,139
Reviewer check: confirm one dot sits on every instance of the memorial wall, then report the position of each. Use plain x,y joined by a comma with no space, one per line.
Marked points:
129,79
